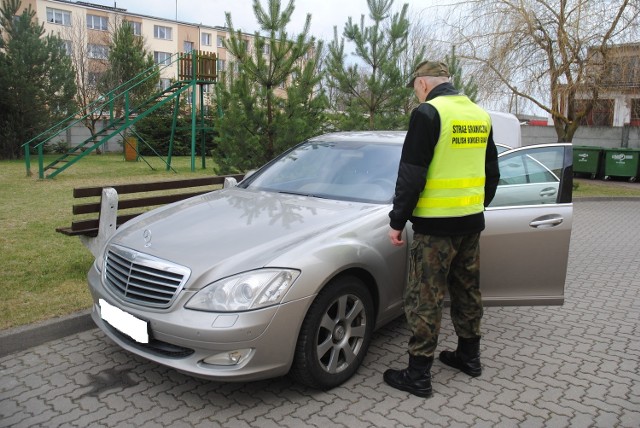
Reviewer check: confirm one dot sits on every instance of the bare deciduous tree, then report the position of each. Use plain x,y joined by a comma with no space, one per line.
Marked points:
88,70
546,51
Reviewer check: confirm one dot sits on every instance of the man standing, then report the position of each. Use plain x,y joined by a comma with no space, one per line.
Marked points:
448,174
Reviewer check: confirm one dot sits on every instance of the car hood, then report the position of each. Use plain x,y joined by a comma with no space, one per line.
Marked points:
233,230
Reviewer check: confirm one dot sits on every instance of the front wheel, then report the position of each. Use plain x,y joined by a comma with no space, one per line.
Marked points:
335,334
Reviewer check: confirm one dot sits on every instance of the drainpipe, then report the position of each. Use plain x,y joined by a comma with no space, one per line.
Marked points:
625,135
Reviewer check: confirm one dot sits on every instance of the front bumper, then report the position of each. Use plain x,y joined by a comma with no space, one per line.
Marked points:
182,339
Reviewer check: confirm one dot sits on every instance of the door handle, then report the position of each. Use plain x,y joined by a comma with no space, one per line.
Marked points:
546,222
548,191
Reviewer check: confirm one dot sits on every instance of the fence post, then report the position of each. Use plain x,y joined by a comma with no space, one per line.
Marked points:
41,161
27,159
194,85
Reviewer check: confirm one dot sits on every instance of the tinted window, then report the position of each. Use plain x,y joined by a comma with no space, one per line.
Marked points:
529,176
502,148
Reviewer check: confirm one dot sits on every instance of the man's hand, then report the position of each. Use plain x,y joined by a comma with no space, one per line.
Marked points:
396,237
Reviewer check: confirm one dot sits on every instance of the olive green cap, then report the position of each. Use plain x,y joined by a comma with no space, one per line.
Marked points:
429,68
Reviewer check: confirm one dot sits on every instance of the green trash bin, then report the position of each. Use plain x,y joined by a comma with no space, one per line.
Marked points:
587,160
621,163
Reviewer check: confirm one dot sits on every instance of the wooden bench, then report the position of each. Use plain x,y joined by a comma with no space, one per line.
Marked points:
101,210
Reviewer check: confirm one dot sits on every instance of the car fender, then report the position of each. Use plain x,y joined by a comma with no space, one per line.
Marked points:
380,264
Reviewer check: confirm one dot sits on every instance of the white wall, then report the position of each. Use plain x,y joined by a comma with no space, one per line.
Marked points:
585,136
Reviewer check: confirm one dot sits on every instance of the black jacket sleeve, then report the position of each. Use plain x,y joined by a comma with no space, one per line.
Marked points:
491,171
417,152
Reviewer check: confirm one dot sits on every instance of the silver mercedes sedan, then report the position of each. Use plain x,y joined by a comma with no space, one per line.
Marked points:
291,270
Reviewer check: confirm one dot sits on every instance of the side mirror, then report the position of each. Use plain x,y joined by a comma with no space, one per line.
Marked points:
229,182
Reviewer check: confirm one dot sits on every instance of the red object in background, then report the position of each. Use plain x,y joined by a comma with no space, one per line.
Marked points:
538,122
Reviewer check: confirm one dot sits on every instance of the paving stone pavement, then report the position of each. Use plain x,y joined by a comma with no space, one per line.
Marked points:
572,366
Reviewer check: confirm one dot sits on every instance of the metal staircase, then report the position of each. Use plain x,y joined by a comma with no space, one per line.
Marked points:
194,68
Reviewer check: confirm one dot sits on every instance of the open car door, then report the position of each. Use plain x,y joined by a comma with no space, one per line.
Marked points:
525,247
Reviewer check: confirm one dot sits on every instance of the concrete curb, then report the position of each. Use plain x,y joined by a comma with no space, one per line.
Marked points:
24,337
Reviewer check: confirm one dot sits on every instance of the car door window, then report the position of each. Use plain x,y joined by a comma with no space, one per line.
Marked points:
529,176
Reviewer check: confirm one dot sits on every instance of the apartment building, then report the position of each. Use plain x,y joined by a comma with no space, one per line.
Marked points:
87,28
618,103
91,25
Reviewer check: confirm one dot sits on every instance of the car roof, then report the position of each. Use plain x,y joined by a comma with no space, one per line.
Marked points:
396,137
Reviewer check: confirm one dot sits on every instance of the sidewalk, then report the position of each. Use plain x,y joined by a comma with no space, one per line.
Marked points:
575,365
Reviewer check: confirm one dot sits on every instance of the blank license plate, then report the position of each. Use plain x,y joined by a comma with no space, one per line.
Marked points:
124,322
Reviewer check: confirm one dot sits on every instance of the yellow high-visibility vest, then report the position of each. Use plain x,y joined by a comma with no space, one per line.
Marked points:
456,176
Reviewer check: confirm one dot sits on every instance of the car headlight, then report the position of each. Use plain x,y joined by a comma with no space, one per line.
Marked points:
245,291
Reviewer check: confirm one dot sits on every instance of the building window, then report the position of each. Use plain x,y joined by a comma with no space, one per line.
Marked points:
600,115
206,89
93,79
160,32
624,71
68,47
220,64
95,22
266,49
635,112
136,27
97,51
162,58
57,16
164,84
188,47
205,39
220,41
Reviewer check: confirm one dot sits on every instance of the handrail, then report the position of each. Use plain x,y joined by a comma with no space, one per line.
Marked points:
93,106
187,63
109,134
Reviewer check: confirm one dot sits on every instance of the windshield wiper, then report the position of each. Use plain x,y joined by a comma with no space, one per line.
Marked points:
284,192
308,195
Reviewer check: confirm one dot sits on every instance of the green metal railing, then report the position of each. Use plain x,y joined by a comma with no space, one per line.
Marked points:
120,98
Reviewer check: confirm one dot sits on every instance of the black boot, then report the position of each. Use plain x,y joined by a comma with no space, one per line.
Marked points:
415,379
465,358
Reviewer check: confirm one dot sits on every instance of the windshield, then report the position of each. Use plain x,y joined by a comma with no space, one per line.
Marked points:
364,172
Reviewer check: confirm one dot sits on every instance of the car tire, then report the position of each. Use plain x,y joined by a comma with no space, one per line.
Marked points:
335,334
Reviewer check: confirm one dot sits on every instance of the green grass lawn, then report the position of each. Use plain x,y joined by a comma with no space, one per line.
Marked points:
43,273
598,188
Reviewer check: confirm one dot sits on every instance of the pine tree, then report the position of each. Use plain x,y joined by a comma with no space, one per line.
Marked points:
154,132
376,91
269,96
469,88
240,140
129,59
37,83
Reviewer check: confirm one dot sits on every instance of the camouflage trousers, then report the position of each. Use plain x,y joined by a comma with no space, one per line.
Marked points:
439,264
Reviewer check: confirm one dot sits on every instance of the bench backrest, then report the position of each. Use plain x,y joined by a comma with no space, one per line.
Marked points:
144,197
